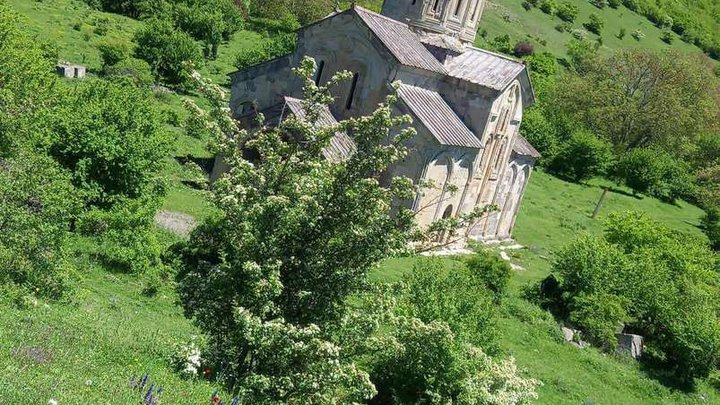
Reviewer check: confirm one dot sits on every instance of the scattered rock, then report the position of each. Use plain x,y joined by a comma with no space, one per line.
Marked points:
512,247
568,333
630,344
504,256
175,222
517,267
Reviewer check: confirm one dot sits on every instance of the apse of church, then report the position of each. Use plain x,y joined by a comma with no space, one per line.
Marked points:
466,103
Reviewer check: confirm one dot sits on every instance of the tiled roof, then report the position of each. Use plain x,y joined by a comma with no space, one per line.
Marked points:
523,147
437,116
400,40
341,145
484,68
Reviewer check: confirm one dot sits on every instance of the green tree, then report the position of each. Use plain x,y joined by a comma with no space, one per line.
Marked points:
110,136
167,50
567,11
582,156
595,24
637,98
38,206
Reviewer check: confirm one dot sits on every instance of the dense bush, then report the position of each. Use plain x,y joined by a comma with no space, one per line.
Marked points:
469,311
655,172
661,284
599,3
491,270
567,11
523,48
425,363
38,206
595,24
126,234
137,70
711,226
113,52
541,133
167,50
109,135
548,6
582,156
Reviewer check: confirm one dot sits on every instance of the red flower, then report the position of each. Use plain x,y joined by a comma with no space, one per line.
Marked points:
207,371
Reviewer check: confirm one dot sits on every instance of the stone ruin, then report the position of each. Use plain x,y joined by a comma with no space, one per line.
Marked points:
70,70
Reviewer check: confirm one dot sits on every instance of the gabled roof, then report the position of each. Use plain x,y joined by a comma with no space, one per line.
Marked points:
484,68
522,147
341,146
400,40
437,116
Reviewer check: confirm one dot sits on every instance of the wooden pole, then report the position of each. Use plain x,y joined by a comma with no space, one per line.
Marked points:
599,203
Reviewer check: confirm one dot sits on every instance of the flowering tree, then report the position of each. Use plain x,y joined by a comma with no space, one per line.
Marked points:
269,278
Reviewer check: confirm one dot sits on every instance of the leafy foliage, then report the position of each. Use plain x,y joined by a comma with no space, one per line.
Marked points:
662,285
638,98
110,137
582,156
655,172
167,50
305,11
38,205
276,46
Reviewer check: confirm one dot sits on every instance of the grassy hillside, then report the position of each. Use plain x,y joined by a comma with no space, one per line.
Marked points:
554,212
509,17
84,351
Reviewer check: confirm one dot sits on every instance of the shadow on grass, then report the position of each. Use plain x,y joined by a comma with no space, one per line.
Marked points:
204,163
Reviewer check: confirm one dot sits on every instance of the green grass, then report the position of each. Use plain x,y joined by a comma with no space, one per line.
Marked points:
552,214
85,351
509,17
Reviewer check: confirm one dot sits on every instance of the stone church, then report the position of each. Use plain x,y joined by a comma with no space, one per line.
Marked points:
466,103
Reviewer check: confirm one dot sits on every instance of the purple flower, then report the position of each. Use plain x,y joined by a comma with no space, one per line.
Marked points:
149,395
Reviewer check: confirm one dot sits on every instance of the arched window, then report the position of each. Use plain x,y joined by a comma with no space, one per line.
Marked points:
458,6
351,95
476,10
437,5
448,212
319,72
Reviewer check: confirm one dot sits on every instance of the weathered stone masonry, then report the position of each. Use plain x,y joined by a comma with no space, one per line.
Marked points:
466,103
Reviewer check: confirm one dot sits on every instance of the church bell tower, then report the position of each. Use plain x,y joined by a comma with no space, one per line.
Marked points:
456,18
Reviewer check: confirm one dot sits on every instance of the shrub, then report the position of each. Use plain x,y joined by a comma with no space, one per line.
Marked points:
523,48
599,3
126,235
668,37
711,226
638,34
113,52
655,172
634,274
209,21
599,316
622,33
38,206
110,136
614,3
582,157
595,24
137,70
491,270
425,363
469,311
167,50
548,6
501,43
567,11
